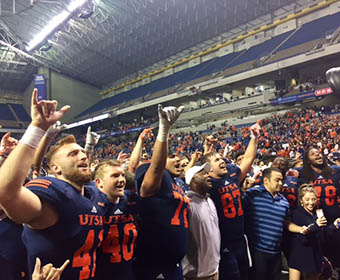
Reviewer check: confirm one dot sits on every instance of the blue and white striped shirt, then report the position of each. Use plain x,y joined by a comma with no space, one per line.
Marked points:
264,219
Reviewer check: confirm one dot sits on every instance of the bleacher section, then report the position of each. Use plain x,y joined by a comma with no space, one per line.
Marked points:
249,59
5,113
313,30
20,112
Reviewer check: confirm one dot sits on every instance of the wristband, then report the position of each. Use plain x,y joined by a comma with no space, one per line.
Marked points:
163,133
32,136
89,148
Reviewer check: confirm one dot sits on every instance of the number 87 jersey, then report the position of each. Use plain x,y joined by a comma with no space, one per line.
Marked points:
227,197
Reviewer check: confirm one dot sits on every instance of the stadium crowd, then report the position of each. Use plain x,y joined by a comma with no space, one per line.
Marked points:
222,205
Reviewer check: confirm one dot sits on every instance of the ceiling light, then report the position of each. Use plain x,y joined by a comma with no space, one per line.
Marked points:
53,25
75,5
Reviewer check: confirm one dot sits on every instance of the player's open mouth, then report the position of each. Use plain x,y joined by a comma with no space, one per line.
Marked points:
83,165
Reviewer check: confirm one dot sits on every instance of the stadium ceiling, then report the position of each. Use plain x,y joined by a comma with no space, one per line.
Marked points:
108,40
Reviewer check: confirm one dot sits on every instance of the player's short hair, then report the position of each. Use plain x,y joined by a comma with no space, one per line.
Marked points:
63,141
99,171
267,173
207,157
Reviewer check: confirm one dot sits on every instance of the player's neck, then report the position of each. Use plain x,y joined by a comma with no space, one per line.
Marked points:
114,199
316,169
78,187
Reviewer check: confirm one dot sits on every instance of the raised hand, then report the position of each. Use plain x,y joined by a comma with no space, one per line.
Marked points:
92,139
122,157
44,113
55,129
169,115
47,272
255,130
196,156
146,133
8,144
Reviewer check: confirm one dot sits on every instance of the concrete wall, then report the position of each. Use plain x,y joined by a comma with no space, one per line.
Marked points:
72,92
67,91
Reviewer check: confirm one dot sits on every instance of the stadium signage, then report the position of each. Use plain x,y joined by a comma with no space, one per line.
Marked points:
301,96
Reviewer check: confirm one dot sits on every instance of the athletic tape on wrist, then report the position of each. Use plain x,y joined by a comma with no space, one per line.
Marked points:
89,148
32,136
163,133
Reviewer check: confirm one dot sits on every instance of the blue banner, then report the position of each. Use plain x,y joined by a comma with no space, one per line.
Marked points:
40,84
302,96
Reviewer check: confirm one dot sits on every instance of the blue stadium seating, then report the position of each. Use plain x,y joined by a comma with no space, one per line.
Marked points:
319,27
21,112
5,113
313,30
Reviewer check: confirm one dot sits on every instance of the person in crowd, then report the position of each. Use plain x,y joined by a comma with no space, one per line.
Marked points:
119,238
226,194
335,157
47,206
203,255
290,183
13,256
266,214
136,154
164,208
306,251
325,180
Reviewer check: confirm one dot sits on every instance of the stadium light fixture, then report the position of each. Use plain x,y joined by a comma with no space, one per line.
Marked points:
90,120
56,22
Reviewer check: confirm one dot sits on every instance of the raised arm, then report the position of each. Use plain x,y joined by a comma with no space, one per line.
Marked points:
137,151
153,177
50,134
92,140
19,203
194,158
250,153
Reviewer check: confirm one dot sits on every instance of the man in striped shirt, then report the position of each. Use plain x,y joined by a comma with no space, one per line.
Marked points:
266,213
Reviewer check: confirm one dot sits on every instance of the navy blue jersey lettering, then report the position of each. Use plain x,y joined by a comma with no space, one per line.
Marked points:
226,194
78,233
164,224
289,190
328,193
117,250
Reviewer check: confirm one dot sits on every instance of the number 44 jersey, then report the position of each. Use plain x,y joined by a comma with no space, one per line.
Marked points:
78,232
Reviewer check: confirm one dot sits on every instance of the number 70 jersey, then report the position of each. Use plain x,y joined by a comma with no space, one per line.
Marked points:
227,197
164,222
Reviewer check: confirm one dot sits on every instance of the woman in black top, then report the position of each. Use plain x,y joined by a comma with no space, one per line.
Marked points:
306,250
